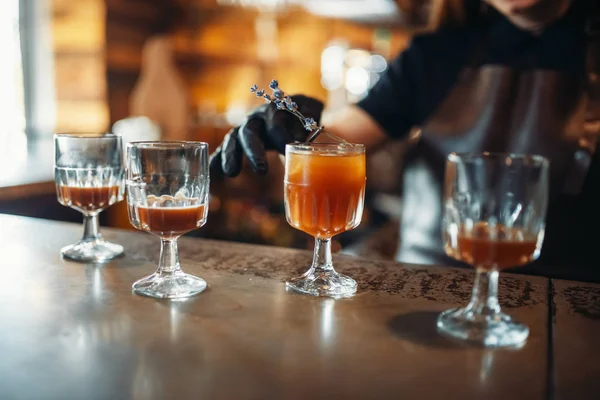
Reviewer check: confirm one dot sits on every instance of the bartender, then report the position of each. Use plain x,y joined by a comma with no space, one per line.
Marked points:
517,76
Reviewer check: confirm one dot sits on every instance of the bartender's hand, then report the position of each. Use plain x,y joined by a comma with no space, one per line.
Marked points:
267,128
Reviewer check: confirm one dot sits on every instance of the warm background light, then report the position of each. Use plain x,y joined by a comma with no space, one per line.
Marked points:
98,74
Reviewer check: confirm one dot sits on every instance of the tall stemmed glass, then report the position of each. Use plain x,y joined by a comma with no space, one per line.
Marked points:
167,196
495,212
324,196
89,176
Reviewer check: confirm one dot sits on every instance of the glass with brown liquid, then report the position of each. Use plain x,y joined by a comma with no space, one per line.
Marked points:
324,196
88,170
494,218
167,196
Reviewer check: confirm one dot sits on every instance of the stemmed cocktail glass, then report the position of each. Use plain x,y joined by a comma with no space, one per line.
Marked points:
167,196
88,171
495,212
324,196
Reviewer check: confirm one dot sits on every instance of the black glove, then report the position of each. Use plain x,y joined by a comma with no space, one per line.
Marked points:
267,128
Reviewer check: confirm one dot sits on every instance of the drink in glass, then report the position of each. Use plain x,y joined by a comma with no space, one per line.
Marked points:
324,196
167,196
494,218
89,176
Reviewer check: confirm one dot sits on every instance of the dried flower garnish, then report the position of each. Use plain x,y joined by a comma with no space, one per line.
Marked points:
285,102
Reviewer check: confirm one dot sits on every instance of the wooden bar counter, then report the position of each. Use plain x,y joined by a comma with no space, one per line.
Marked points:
75,331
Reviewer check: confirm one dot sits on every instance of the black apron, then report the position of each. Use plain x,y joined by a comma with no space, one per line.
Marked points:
499,109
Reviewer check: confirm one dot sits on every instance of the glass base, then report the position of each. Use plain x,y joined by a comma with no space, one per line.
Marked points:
176,285
496,330
92,251
328,283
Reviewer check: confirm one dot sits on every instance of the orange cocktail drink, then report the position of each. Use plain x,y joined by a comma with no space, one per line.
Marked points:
324,196
324,192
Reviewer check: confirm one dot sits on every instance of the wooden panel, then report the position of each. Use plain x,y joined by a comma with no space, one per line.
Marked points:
121,57
82,116
78,25
576,323
225,35
98,38
217,85
80,76
74,331
220,53
128,25
356,35
78,34
121,85
119,33
301,39
140,11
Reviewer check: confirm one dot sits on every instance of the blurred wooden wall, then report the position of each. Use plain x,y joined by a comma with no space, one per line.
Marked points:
220,51
79,40
129,23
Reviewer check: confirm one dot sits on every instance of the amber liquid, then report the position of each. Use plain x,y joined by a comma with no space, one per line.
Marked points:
170,221
89,199
492,248
324,194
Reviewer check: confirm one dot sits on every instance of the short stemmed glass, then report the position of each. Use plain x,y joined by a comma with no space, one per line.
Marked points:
167,196
89,176
494,218
324,196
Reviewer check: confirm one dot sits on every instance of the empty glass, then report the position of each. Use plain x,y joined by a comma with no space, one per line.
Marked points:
324,196
495,212
167,196
88,171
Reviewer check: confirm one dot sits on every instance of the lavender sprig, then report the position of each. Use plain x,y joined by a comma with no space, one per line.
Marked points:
284,102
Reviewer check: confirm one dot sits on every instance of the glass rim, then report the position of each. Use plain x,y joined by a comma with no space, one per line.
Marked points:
490,155
323,147
166,144
87,135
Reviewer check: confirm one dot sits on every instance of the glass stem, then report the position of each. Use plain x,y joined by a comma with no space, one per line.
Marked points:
322,257
90,228
484,300
169,257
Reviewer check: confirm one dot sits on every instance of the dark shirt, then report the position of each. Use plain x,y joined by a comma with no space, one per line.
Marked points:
419,79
